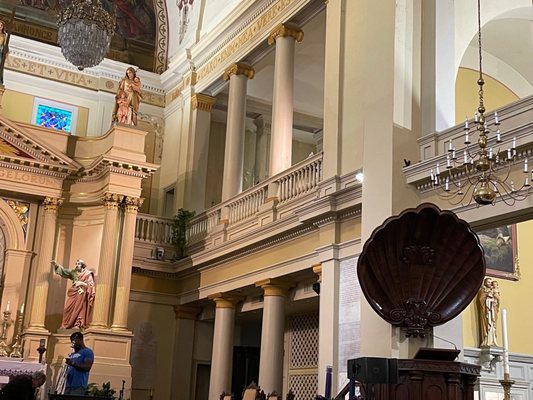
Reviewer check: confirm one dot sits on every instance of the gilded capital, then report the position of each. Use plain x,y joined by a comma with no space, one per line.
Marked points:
317,269
226,300
111,200
52,204
275,287
286,30
203,102
239,69
132,204
186,312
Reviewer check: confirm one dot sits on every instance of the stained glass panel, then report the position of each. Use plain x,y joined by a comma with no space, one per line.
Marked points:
54,118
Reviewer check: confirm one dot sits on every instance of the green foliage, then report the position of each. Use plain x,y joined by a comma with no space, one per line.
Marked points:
105,391
179,234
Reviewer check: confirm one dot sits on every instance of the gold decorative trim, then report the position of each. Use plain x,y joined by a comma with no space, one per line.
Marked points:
275,287
317,269
203,102
132,204
286,30
22,209
162,39
239,69
111,200
225,300
52,204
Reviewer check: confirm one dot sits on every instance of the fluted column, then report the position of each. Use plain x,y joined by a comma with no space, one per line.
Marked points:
271,356
238,75
222,355
44,268
104,282
284,36
122,295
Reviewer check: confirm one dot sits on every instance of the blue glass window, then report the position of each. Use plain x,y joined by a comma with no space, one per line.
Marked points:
54,118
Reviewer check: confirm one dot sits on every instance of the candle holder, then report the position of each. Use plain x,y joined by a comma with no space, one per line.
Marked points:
5,324
506,383
16,345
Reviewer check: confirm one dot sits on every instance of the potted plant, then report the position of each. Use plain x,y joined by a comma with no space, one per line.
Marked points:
179,234
106,392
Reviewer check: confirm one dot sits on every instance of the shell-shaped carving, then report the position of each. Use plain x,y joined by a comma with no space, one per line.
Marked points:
421,268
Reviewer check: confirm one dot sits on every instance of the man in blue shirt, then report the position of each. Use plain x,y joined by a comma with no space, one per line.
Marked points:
79,364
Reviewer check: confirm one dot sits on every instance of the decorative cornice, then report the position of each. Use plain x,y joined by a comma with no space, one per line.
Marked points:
286,30
204,102
239,69
52,204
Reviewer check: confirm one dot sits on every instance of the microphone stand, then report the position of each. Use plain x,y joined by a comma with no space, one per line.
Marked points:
121,396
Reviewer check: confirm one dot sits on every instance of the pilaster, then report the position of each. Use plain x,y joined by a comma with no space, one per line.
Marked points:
104,277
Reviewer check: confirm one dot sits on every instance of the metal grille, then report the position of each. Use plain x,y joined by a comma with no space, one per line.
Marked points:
304,341
304,387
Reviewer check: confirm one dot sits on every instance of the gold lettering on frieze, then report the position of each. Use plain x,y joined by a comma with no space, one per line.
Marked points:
34,32
244,37
27,177
50,72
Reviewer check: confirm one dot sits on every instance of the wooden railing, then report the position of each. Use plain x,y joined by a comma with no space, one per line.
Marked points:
287,186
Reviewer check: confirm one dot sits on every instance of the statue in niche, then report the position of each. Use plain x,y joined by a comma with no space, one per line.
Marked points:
79,305
4,49
489,308
128,98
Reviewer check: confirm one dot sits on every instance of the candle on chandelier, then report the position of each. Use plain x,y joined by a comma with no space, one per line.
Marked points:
476,117
450,145
505,340
438,169
508,154
447,185
498,136
467,141
453,154
465,159
490,153
526,170
448,161
22,309
466,124
496,120
514,143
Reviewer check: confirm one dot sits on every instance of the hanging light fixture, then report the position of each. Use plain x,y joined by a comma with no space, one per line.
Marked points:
480,173
85,31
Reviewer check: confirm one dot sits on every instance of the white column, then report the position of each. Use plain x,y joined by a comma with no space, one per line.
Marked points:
102,300
122,295
222,355
284,37
238,75
44,268
271,355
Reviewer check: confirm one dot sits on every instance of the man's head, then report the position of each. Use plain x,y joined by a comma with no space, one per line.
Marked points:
38,378
77,340
80,265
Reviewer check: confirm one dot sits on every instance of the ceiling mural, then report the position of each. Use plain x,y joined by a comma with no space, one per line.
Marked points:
140,34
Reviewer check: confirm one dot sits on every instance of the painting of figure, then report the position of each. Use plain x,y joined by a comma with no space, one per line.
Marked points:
499,245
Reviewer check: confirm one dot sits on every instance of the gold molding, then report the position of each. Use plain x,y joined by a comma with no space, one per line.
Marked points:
132,204
275,287
317,269
239,69
286,30
111,200
52,204
225,300
203,102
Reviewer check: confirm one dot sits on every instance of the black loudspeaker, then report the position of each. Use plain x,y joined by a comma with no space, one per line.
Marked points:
373,370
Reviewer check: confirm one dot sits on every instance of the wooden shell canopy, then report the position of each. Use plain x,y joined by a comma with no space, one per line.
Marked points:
421,268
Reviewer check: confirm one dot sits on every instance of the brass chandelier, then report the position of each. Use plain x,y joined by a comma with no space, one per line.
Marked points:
85,32
481,173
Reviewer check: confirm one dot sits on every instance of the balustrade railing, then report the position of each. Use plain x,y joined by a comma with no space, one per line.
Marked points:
289,185
155,230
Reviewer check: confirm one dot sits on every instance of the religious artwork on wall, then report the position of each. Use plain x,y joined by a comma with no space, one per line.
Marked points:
8,149
501,252
53,118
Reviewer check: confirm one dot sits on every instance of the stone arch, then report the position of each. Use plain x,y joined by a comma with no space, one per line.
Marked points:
10,225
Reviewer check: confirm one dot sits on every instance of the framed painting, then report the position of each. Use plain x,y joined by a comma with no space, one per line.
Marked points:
501,252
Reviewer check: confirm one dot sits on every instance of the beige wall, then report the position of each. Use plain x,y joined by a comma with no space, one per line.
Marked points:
466,94
19,107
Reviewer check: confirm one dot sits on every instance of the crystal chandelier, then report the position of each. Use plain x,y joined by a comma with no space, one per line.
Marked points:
85,31
480,173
